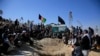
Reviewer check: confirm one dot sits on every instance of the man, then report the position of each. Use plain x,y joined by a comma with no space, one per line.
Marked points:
85,43
91,33
77,49
8,43
64,38
16,22
96,44
26,37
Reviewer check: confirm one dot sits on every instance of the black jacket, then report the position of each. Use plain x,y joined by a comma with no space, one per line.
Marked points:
85,43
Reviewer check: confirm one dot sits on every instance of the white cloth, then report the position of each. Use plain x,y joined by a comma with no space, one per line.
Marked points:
72,41
64,38
85,52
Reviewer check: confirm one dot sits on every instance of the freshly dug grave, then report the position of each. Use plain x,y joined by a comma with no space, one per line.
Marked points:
48,47
56,47
53,47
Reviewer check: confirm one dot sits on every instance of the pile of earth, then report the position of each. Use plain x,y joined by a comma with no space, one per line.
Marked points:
49,47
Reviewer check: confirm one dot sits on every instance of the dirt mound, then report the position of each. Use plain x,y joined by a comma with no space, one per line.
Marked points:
49,47
52,47
55,47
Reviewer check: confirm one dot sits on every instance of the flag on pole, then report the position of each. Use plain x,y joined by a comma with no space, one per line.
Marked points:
43,20
61,20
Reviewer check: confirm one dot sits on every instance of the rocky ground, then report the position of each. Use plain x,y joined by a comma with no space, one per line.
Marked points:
47,47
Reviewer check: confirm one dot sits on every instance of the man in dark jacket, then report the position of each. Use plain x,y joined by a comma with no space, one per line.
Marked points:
85,43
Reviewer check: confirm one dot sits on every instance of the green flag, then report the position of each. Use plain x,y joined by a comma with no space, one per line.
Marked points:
43,20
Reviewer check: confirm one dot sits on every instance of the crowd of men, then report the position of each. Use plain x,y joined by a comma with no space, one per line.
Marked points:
82,40
13,35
